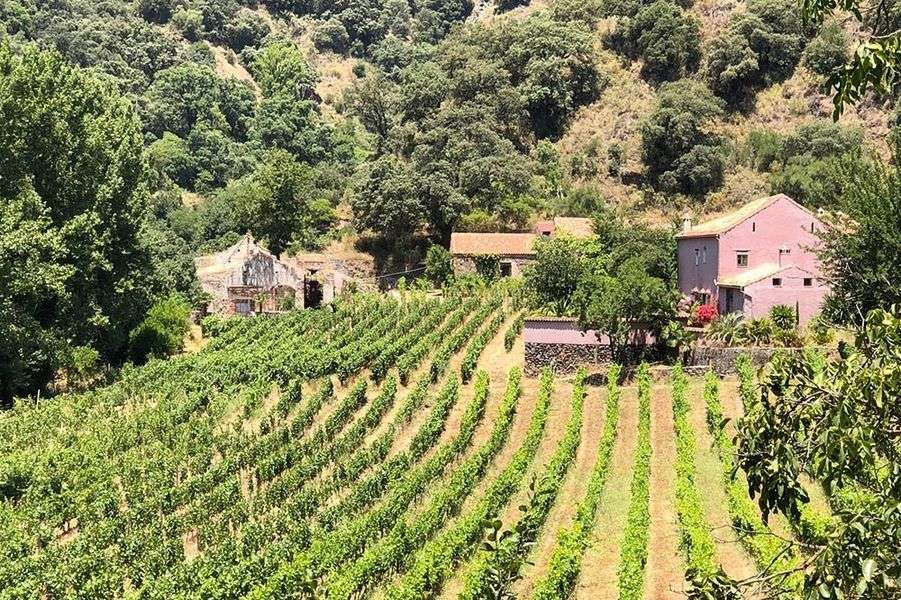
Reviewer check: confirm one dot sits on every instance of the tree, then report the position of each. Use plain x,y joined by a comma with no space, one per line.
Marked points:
386,201
828,51
860,249
331,35
836,422
372,100
247,29
282,69
72,184
439,267
760,46
667,39
615,304
559,266
155,11
677,147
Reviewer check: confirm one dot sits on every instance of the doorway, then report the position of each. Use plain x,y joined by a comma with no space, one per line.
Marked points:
312,293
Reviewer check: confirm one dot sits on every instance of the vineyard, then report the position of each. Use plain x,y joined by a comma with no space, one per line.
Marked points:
385,448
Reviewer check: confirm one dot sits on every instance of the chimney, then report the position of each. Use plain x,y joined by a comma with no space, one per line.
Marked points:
686,222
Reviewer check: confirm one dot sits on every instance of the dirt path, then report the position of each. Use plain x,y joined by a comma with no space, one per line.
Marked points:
570,494
709,479
598,573
665,571
558,415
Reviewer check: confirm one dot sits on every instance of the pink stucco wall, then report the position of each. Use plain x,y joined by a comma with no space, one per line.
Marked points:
783,223
539,331
763,295
703,274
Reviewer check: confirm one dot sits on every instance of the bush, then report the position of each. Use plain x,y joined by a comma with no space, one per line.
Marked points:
680,152
189,23
667,39
488,266
828,50
783,316
758,332
247,29
706,313
332,35
162,332
439,268
155,11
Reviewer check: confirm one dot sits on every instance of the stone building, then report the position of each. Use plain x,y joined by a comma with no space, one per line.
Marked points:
513,250
247,279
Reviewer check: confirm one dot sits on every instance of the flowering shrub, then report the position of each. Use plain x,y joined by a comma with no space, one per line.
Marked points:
706,313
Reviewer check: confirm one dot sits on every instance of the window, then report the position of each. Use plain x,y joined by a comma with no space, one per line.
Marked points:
242,307
753,225
808,281
777,282
546,233
506,269
704,255
697,257
812,228
741,259
785,250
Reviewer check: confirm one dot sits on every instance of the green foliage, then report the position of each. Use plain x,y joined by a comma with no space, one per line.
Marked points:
677,147
560,264
513,331
386,201
331,35
760,47
666,38
858,251
615,304
439,268
832,422
571,543
697,540
784,316
634,547
72,184
488,266
163,330
828,51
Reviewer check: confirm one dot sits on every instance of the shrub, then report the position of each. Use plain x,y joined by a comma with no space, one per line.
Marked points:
726,329
783,316
163,330
828,50
331,35
189,23
155,11
680,152
439,267
758,332
488,266
667,39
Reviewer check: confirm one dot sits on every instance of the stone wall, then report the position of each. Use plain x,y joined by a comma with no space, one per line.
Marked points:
563,358
723,360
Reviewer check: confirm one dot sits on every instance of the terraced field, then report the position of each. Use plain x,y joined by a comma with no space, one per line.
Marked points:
378,448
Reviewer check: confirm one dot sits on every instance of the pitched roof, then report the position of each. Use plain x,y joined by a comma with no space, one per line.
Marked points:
520,244
746,278
730,220
228,259
575,226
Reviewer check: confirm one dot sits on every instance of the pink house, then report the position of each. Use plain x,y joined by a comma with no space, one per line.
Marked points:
754,258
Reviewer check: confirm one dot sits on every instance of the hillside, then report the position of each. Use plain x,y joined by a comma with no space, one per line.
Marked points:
323,454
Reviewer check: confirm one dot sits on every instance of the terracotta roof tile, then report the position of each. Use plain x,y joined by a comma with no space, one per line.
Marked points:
519,244
730,220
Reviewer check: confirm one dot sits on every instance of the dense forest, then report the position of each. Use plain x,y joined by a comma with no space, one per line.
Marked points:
140,134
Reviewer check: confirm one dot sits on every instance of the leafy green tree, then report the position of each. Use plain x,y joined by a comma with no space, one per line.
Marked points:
615,303
372,100
72,183
859,253
162,332
280,202
155,11
559,267
666,38
386,201
676,144
331,35
828,51
760,46
439,268
834,422
248,28
282,69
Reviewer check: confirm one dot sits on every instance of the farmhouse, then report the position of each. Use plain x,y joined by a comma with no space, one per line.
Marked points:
754,258
514,250
247,279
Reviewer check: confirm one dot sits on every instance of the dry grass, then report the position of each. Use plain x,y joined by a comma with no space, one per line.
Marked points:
598,580
228,66
665,571
570,494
